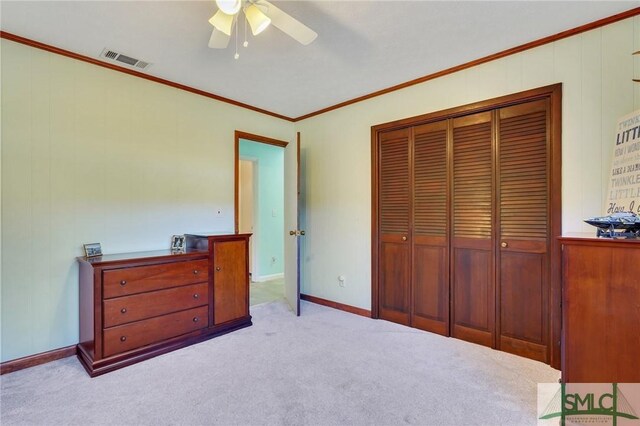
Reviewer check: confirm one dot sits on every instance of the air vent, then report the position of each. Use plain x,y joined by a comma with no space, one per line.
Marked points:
124,59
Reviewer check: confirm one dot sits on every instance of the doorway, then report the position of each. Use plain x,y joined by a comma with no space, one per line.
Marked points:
260,212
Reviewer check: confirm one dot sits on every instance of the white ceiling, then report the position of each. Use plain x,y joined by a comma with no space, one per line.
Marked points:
362,46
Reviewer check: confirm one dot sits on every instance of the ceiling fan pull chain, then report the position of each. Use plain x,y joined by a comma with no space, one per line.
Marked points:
237,55
246,42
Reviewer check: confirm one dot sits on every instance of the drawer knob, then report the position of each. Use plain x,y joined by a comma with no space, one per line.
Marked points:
123,282
504,245
123,338
218,268
404,238
195,319
123,310
196,296
196,272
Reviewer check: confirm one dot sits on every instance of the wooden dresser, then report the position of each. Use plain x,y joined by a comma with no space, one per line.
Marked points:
134,306
601,310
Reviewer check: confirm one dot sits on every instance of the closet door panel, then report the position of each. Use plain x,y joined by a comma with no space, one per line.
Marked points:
523,217
430,310
395,294
394,272
472,292
431,288
473,288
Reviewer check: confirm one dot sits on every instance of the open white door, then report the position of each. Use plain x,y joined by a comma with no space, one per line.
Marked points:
292,233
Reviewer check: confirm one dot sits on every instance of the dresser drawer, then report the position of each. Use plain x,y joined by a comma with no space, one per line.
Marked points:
126,281
122,310
141,333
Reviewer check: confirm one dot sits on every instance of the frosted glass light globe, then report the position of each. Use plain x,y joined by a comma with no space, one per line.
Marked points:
230,7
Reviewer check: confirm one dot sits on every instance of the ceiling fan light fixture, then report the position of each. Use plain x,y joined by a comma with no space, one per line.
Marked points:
222,22
257,20
230,7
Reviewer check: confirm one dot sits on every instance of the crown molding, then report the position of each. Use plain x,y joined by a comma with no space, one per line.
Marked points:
83,58
521,48
536,43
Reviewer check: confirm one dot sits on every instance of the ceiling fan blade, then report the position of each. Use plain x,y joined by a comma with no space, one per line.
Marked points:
218,40
288,24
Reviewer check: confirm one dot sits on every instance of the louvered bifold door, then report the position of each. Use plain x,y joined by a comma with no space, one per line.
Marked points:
523,211
394,273
430,229
472,284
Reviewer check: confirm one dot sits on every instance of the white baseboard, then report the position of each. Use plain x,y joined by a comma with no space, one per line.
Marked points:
264,278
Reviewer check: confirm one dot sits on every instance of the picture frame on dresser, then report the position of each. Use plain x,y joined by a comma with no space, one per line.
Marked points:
178,243
92,250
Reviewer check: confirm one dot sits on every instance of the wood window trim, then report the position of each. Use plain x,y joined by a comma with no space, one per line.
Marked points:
554,94
253,138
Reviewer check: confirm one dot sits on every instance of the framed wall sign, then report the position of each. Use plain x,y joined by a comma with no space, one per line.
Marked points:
624,178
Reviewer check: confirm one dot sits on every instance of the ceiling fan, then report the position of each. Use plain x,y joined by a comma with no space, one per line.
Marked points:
259,15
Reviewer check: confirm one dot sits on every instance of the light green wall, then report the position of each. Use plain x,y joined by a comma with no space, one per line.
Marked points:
270,197
596,69
94,155
89,154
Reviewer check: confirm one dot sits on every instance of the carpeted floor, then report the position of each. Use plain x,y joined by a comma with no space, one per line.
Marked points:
326,367
266,291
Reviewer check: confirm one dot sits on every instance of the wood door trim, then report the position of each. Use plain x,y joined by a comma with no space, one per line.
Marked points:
468,109
238,134
554,94
555,223
37,359
375,224
523,47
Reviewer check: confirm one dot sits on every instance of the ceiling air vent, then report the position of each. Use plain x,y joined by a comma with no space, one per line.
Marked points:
124,59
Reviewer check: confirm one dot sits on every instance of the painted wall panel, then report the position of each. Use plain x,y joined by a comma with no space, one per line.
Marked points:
339,239
93,155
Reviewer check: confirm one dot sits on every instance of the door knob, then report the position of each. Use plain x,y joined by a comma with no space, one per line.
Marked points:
301,232
292,232
504,245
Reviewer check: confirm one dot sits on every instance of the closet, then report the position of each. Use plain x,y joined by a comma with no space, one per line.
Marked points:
466,209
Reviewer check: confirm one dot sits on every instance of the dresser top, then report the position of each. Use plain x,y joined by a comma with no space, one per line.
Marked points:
146,255
215,234
590,238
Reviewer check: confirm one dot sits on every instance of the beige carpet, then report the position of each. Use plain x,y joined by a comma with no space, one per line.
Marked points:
326,367
266,291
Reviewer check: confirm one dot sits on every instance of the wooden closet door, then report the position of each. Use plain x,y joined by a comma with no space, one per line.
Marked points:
430,229
394,268
472,248
524,236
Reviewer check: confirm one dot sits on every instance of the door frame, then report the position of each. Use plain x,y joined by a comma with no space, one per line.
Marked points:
253,248
238,134
554,94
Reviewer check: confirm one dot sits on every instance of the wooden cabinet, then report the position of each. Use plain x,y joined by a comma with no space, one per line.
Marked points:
465,209
138,305
229,271
601,310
